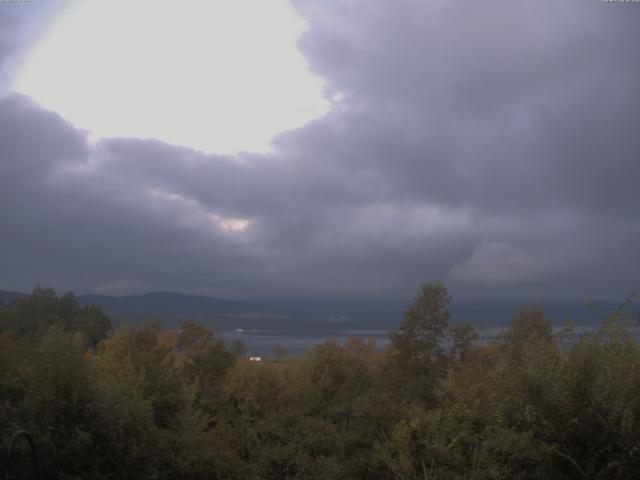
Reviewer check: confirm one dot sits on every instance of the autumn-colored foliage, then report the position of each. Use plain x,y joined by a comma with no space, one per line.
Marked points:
143,403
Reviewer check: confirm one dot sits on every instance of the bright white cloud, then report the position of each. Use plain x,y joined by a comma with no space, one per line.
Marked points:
216,75
189,209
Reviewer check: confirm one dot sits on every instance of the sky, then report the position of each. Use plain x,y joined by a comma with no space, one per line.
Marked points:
335,149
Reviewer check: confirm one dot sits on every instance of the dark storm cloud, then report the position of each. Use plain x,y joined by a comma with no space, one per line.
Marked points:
469,103
67,227
491,144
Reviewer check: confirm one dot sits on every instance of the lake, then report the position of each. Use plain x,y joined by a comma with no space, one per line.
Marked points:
297,342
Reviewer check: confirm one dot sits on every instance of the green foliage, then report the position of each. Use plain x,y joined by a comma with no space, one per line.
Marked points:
416,358
50,394
424,326
205,359
463,341
436,403
32,316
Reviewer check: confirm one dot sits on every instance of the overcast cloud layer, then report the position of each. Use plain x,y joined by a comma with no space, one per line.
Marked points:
494,145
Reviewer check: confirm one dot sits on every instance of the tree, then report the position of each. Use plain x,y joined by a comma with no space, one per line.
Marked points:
92,323
417,346
57,404
463,338
424,326
527,326
205,360
33,315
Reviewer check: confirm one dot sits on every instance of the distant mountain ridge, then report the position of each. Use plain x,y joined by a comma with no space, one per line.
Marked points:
171,308
9,296
221,313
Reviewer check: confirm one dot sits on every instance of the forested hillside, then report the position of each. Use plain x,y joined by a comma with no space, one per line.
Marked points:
143,403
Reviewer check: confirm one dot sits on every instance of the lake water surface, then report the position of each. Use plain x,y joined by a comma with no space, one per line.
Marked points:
294,343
